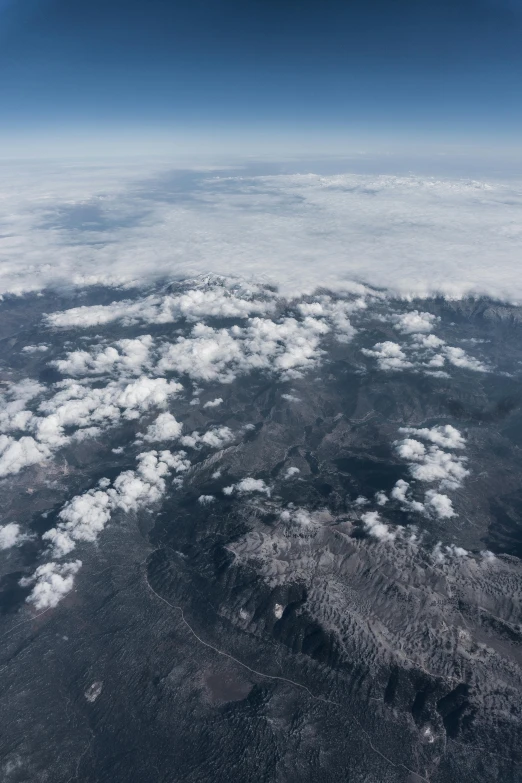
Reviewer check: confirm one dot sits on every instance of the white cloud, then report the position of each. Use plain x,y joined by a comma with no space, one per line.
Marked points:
246,486
213,299
10,535
440,466
213,403
305,518
335,312
459,358
165,427
206,500
42,348
76,405
432,464
389,355
291,471
51,582
128,357
427,341
411,449
18,454
414,321
425,352
402,492
82,519
13,401
440,554
375,527
85,516
216,438
286,347
441,505
443,435
323,232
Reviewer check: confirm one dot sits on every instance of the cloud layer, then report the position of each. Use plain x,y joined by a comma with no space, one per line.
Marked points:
409,235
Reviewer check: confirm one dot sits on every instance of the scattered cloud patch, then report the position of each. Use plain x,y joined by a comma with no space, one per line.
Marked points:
441,505
443,435
165,427
51,582
11,535
376,528
18,454
389,355
13,401
425,353
213,403
41,348
215,438
211,300
414,321
126,357
432,463
85,516
246,486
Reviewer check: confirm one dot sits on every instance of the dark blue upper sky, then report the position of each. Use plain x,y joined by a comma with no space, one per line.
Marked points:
402,69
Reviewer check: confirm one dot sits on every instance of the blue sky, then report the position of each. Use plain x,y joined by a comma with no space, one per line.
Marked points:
355,72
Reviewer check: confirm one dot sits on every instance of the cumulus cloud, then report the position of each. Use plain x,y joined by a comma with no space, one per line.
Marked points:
41,348
286,347
411,449
438,465
459,358
165,427
216,438
18,454
206,500
305,518
51,582
443,435
440,504
424,353
376,528
11,535
246,486
210,300
402,493
429,341
414,321
441,554
76,405
213,403
433,464
125,357
85,516
334,312
291,471
389,355
13,402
